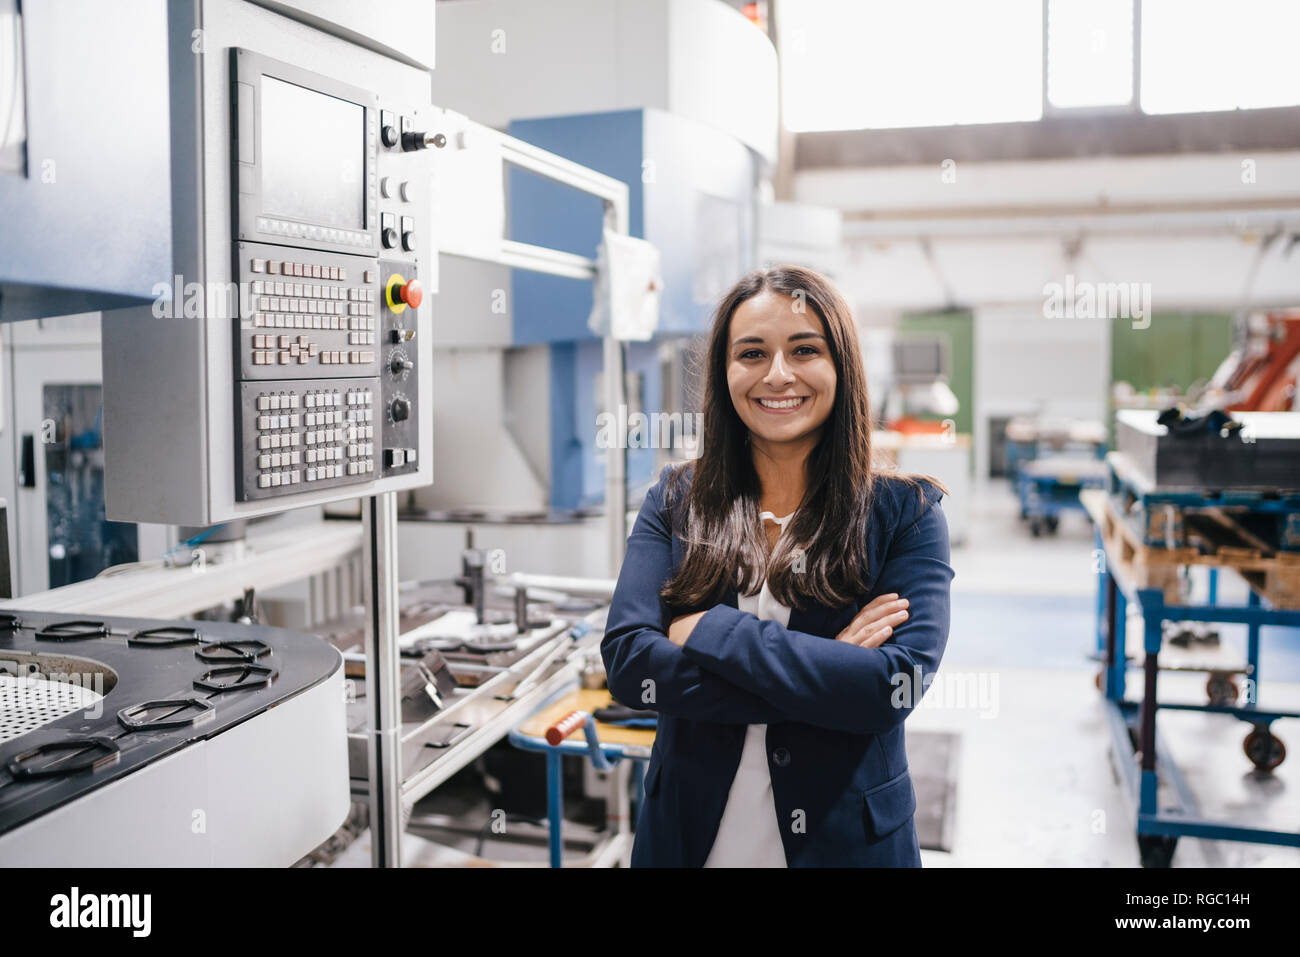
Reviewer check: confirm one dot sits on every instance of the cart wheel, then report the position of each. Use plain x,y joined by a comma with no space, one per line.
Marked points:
1053,523
1036,526
1265,749
1156,850
1100,680
1221,689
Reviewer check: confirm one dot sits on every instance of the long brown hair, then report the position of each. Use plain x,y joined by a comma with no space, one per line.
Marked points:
822,557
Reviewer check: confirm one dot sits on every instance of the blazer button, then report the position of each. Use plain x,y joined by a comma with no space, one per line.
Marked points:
781,757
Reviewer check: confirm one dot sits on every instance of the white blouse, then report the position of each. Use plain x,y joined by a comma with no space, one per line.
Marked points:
749,834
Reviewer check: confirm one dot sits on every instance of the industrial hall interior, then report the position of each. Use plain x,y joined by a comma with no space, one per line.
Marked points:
649,433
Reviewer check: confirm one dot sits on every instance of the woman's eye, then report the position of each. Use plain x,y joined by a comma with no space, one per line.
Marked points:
750,354
806,350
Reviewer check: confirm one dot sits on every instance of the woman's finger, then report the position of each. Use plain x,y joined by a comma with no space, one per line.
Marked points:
878,610
859,636
876,638
884,610
885,614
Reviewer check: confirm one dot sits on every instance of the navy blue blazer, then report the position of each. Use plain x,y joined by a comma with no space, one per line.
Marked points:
840,782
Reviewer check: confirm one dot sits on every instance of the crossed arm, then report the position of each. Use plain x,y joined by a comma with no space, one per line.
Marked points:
737,669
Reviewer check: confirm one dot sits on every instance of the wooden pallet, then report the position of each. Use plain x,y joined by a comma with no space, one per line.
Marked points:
1275,575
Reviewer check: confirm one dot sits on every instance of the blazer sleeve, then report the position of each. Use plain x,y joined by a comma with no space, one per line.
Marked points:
830,683
645,669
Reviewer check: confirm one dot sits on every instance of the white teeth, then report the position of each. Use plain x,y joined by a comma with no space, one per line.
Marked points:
779,403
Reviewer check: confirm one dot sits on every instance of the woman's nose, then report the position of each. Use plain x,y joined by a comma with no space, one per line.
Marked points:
778,372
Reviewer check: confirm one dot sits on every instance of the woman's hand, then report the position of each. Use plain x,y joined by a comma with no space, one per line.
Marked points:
872,626
682,627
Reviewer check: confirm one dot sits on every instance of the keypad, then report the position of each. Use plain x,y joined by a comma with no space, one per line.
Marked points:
328,305
305,433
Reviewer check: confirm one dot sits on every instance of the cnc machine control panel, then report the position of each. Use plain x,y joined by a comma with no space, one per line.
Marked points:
327,205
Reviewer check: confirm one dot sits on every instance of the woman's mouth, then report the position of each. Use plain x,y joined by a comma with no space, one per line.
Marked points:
783,406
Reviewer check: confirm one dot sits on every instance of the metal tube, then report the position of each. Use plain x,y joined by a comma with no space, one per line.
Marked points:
615,456
555,805
1112,622
383,667
1151,669
1252,646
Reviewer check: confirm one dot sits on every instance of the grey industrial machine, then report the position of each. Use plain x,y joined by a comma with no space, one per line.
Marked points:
284,360
277,355
164,743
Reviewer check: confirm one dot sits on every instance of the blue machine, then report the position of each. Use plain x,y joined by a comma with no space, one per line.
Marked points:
691,193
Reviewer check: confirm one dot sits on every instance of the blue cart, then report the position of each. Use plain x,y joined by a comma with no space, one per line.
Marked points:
1051,485
1133,723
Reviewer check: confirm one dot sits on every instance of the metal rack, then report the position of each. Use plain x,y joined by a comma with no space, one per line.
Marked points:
1133,723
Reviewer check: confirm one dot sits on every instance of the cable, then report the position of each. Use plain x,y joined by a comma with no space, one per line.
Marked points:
192,541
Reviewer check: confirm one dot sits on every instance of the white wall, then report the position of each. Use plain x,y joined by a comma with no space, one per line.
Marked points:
1028,365
500,60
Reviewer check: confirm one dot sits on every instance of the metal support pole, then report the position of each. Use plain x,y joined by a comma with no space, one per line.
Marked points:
383,694
555,804
1151,671
615,455
1252,646
1111,635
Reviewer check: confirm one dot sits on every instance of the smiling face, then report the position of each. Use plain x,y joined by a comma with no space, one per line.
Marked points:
779,369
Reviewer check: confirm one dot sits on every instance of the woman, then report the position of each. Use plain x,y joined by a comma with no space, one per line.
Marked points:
781,605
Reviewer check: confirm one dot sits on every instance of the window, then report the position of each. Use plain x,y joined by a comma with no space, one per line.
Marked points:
1200,55
887,64
867,64
1089,53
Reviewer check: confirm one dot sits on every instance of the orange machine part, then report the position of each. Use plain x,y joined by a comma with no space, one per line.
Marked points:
1272,386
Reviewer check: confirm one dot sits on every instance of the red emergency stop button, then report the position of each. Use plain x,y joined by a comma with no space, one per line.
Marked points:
400,292
412,293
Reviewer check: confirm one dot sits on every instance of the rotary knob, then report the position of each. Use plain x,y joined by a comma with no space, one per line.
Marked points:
400,409
400,365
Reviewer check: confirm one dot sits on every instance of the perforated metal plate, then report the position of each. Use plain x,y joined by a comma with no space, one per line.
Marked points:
27,703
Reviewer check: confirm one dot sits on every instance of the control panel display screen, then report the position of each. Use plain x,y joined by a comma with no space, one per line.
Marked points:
313,156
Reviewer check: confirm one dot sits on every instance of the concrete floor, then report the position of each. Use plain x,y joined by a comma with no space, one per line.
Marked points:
1035,786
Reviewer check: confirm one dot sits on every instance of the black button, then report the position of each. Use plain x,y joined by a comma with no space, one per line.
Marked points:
781,757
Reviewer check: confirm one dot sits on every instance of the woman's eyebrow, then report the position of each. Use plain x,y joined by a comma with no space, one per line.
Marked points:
793,337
